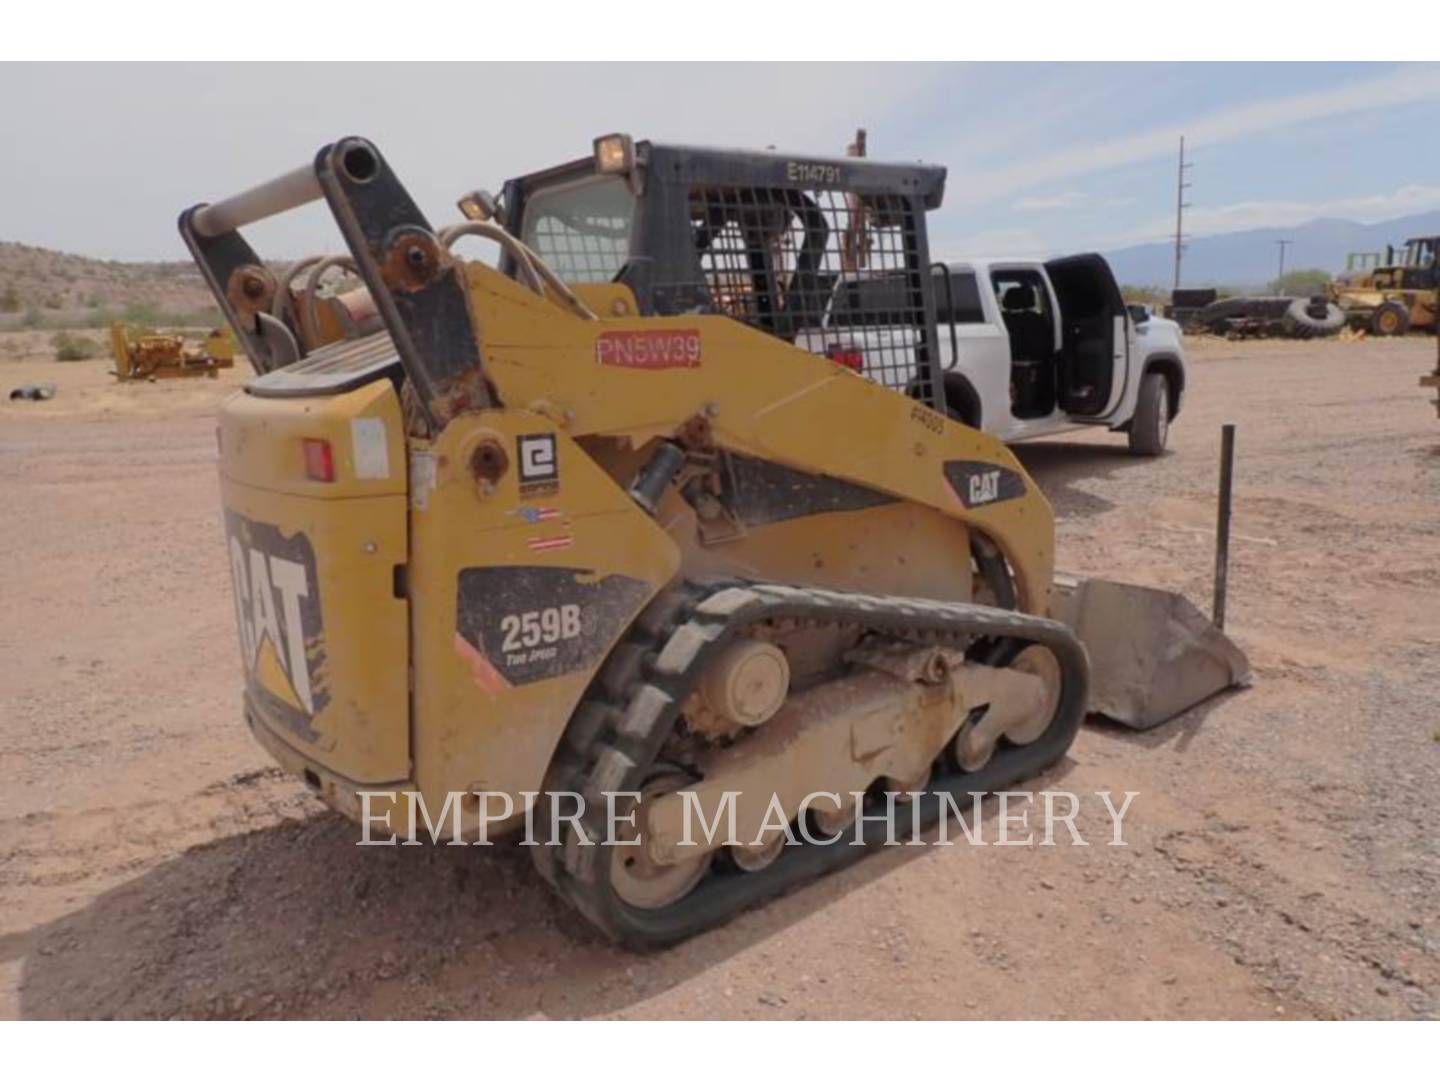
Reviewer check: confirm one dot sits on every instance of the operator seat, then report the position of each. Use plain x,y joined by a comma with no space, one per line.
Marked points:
1031,338
1032,353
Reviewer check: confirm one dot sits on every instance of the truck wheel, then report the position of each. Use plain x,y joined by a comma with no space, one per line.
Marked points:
1389,320
962,402
1151,422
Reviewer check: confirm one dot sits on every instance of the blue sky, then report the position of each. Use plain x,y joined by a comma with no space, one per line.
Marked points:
1091,161
1043,158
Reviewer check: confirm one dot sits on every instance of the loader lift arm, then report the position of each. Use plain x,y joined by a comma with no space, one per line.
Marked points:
418,289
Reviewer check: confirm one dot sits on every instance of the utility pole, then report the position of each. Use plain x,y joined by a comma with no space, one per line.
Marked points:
1283,244
1180,204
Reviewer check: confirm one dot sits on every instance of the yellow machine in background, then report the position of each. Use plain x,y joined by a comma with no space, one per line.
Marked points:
1391,295
588,538
168,356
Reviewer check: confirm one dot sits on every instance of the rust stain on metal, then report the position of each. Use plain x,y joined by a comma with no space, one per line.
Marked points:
464,393
250,289
412,261
696,434
489,462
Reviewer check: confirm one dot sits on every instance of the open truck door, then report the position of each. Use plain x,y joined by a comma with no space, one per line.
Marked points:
1095,345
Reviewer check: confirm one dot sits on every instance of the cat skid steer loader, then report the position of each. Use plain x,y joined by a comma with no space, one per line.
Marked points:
590,523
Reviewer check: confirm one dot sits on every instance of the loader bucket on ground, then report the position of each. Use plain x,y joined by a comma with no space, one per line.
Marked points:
1152,653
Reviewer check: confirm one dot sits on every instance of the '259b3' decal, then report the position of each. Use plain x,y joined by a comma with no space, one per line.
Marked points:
519,624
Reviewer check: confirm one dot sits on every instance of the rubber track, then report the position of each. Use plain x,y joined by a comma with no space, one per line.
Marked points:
634,702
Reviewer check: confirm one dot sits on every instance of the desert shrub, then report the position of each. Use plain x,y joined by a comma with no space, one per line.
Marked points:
33,318
9,300
205,316
1300,283
73,347
143,313
1145,294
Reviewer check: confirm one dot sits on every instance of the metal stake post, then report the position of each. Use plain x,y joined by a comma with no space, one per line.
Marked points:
1222,523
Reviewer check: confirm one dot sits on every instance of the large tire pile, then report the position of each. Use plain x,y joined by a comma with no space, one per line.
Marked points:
1272,316
1315,317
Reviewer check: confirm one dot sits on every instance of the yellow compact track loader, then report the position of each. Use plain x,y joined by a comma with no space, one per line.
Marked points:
587,539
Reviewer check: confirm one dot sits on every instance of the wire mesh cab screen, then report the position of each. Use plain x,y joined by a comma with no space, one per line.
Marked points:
837,273
830,255
582,229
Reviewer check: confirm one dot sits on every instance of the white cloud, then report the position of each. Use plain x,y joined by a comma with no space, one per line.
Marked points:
1067,200
1403,85
238,125
1017,243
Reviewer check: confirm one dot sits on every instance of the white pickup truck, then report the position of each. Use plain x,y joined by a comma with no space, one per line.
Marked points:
1029,348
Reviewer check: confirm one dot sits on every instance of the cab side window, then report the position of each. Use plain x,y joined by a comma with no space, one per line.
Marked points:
960,302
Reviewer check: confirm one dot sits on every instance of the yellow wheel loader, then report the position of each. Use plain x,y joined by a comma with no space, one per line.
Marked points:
1392,294
586,540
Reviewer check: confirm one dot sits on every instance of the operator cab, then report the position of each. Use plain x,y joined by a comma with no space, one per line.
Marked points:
1420,251
1418,269
828,254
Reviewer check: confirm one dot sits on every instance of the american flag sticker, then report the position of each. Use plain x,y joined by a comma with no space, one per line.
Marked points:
549,543
534,515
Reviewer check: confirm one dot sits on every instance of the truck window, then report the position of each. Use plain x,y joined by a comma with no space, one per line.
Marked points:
582,229
876,301
1036,298
962,305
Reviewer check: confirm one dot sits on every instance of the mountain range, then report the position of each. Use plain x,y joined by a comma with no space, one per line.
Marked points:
53,282
1248,260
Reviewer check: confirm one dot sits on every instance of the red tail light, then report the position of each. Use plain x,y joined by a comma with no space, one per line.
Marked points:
319,460
847,356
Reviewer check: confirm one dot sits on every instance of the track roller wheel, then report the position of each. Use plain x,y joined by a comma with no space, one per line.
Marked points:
830,821
903,788
974,745
970,756
753,858
637,880
1038,661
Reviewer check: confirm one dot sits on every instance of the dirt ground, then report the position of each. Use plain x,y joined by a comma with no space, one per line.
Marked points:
1280,861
